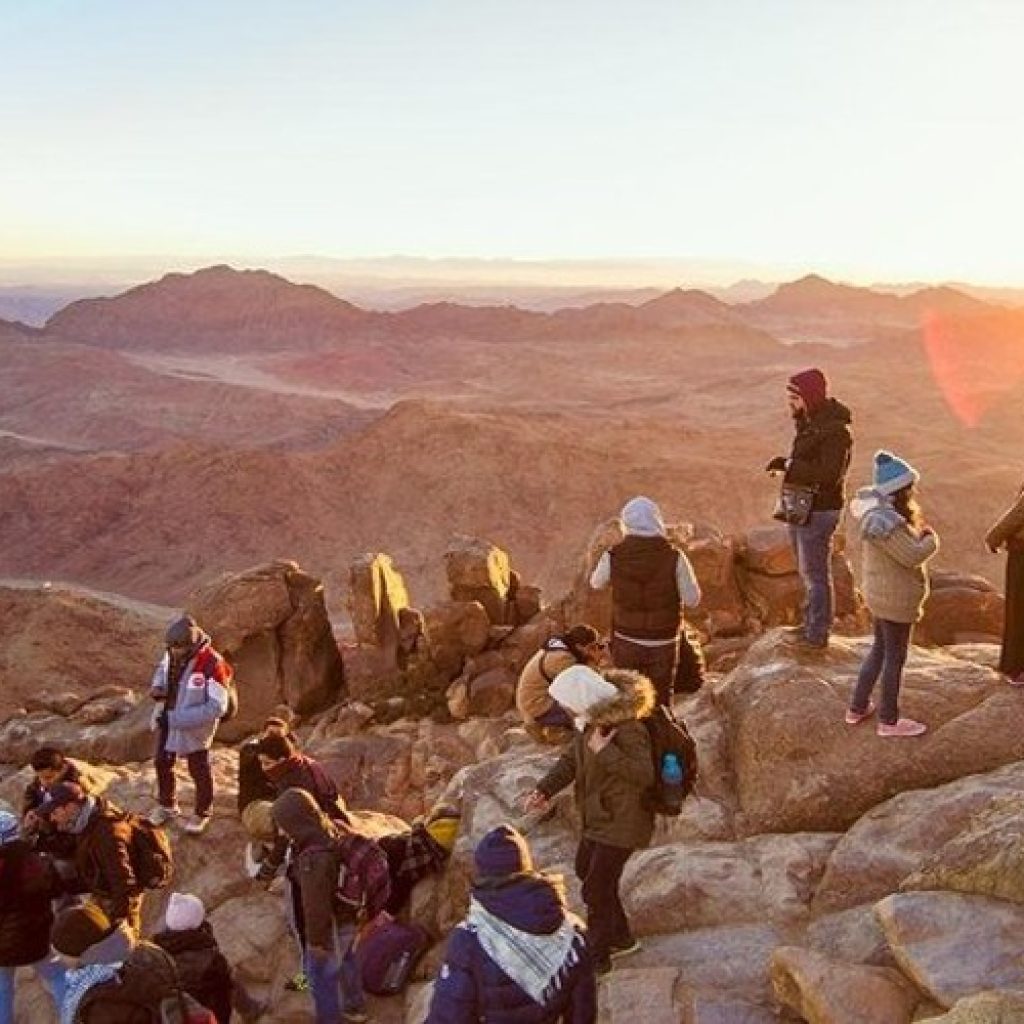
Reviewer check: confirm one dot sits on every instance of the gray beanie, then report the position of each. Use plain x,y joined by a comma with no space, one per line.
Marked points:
183,631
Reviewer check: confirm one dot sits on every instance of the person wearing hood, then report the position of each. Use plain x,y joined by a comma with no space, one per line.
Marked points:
203,970
328,905
652,581
520,956
543,716
610,761
102,858
819,459
896,546
28,884
191,689
1008,532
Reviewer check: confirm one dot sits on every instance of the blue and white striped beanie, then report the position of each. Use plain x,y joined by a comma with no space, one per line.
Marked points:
892,474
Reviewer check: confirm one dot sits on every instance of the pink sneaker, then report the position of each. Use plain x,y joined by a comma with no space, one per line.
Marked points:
904,727
856,717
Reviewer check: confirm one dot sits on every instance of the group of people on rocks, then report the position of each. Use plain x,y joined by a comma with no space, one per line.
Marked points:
75,868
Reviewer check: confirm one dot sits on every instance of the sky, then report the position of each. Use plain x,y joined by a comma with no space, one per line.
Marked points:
866,139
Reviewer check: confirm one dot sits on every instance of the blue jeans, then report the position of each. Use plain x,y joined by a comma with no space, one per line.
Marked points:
812,545
334,979
886,658
50,972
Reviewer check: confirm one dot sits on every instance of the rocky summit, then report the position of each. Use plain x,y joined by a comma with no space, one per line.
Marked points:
818,872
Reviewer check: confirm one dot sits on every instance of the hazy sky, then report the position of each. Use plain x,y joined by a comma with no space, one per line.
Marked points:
866,138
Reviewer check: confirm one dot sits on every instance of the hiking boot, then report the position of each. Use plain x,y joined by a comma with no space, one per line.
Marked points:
197,824
627,948
355,1016
805,643
904,727
856,717
160,815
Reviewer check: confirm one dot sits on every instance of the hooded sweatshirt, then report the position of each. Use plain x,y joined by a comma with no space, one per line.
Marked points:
532,698
519,956
820,456
611,786
893,554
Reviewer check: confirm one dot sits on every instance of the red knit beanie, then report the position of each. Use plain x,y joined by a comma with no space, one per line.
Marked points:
811,386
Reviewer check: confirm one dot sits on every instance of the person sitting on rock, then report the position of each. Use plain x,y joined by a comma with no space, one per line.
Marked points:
254,785
610,761
102,858
519,954
652,581
190,686
896,545
544,717
51,767
329,905
287,768
28,885
1008,532
203,970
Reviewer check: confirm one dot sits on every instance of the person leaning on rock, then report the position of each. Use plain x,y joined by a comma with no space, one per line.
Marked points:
1008,533
190,686
543,716
520,955
611,763
652,581
819,459
102,860
50,767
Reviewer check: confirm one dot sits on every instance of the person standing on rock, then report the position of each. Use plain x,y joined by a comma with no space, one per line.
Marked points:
819,460
519,954
652,581
1008,533
543,716
896,545
191,687
611,763
28,885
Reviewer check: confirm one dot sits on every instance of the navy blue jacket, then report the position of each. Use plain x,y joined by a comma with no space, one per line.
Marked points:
471,988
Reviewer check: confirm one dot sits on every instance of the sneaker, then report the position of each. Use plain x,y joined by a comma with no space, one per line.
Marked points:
805,643
355,1016
197,824
856,717
297,983
627,948
160,815
904,727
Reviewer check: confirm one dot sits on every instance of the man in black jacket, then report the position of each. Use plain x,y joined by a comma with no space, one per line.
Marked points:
819,459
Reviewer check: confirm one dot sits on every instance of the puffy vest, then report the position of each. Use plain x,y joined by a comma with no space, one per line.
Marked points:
645,596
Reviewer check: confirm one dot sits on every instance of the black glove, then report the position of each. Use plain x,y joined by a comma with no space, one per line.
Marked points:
777,465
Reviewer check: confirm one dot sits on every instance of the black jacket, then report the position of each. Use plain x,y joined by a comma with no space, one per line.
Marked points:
253,783
27,884
821,453
203,970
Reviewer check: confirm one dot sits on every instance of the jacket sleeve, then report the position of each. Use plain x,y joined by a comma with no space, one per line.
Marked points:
628,756
318,876
903,547
826,466
456,999
686,582
214,707
1009,523
158,684
562,773
115,862
602,574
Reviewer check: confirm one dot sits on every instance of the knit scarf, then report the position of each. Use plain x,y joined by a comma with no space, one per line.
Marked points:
78,982
536,963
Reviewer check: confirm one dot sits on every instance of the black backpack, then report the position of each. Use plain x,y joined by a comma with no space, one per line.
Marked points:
668,735
150,853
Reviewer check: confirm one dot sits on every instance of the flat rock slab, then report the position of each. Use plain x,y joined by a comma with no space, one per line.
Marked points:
631,994
985,1008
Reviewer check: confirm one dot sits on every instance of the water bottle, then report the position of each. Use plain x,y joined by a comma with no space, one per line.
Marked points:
397,973
671,783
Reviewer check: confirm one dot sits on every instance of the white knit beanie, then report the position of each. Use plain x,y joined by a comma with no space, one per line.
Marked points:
579,688
184,912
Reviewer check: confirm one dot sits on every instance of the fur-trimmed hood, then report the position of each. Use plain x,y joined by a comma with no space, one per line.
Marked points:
635,700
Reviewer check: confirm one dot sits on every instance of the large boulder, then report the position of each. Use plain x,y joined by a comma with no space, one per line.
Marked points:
961,608
479,571
271,624
455,631
908,833
799,767
953,946
713,557
1006,1007
377,594
824,991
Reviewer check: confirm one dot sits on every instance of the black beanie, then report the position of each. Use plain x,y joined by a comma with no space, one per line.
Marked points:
78,928
503,851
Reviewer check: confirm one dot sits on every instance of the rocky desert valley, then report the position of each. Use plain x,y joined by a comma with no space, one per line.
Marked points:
294,469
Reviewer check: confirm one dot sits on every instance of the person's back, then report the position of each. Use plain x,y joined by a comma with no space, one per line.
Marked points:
103,856
519,957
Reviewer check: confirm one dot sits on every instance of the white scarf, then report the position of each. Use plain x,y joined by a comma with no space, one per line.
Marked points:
534,962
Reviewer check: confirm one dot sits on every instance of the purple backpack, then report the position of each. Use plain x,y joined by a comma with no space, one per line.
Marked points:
387,954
